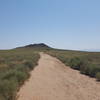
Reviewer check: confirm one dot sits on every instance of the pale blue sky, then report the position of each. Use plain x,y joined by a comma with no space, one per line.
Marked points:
67,24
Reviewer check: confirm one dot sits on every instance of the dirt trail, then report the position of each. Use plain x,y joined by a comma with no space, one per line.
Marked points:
52,80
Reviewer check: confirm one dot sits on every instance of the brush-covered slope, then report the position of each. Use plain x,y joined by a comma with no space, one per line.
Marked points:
86,62
15,66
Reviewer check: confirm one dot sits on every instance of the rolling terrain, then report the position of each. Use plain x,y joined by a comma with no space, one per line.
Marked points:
53,78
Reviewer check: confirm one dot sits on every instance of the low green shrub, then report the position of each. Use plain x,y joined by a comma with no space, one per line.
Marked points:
87,63
93,70
29,64
21,76
8,89
84,66
98,76
75,63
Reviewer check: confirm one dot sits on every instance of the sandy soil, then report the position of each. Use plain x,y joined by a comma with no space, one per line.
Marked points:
52,80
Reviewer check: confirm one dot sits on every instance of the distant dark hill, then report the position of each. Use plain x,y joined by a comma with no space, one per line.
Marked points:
40,45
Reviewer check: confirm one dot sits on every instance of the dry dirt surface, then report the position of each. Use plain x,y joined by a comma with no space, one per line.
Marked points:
52,80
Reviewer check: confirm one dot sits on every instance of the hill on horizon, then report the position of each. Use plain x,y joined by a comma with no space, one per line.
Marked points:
38,45
16,64
45,46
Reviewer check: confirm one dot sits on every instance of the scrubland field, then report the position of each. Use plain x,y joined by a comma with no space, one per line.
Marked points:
87,63
16,64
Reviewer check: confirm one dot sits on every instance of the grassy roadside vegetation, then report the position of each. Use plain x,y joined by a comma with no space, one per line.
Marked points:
15,66
87,63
